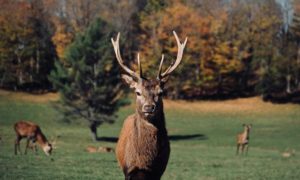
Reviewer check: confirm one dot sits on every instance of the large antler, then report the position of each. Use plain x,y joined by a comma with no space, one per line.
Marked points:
119,58
173,66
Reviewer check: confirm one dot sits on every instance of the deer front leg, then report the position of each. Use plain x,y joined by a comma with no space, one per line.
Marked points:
17,145
247,148
243,148
27,145
34,145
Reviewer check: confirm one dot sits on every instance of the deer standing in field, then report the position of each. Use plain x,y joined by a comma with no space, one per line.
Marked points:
33,133
143,147
243,139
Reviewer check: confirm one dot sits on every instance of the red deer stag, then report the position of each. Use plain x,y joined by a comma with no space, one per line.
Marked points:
143,147
33,133
242,140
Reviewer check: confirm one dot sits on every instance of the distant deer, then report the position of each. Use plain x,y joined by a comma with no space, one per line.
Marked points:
92,149
32,132
243,139
143,147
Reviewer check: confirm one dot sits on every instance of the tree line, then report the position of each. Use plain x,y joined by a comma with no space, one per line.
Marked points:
235,48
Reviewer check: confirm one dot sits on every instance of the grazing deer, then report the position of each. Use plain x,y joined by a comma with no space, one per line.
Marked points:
143,147
243,139
33,133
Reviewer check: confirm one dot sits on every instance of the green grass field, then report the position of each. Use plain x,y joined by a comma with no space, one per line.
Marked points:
202,138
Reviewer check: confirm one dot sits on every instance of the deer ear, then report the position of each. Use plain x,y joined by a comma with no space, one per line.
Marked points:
129,80
244,124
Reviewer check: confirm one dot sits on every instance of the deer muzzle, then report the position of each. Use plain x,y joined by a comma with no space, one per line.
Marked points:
149,108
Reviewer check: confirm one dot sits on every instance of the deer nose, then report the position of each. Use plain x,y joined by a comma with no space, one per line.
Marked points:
149,108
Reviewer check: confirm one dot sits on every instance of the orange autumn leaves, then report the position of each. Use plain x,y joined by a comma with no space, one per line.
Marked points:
206,53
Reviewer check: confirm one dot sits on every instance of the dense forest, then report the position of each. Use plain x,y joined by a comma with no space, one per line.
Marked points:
235,48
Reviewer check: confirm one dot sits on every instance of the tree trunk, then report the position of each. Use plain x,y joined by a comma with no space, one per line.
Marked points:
220,82
93,127
31,69
93,124
288,79
20,72
37,62
297,82
2,79
95,76
288,83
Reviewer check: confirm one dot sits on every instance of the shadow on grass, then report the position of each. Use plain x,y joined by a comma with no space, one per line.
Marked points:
187,137
108,139
171,138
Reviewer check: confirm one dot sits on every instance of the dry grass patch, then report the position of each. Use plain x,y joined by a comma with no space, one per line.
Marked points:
246,105
27,97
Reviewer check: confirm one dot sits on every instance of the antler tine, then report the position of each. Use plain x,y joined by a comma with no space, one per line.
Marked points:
181,47
119,58
160,67
140,66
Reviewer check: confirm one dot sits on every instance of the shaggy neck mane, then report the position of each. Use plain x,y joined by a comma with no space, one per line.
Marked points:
146,139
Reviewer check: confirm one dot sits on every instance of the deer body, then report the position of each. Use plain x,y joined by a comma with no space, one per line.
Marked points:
243,139
143,147
32,132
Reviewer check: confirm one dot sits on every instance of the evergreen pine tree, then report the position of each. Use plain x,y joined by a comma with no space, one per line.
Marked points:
89,80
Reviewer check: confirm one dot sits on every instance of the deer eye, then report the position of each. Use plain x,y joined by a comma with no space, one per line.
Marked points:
138,93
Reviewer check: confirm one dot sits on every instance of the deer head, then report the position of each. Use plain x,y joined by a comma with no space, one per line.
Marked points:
247,127
148,91
47,148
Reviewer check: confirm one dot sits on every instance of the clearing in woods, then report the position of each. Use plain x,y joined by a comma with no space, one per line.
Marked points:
202,136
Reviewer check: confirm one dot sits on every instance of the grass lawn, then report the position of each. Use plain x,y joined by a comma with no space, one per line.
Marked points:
202,136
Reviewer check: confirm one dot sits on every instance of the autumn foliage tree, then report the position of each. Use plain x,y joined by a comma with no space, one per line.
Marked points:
26,50
62,37
235,48
207,59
